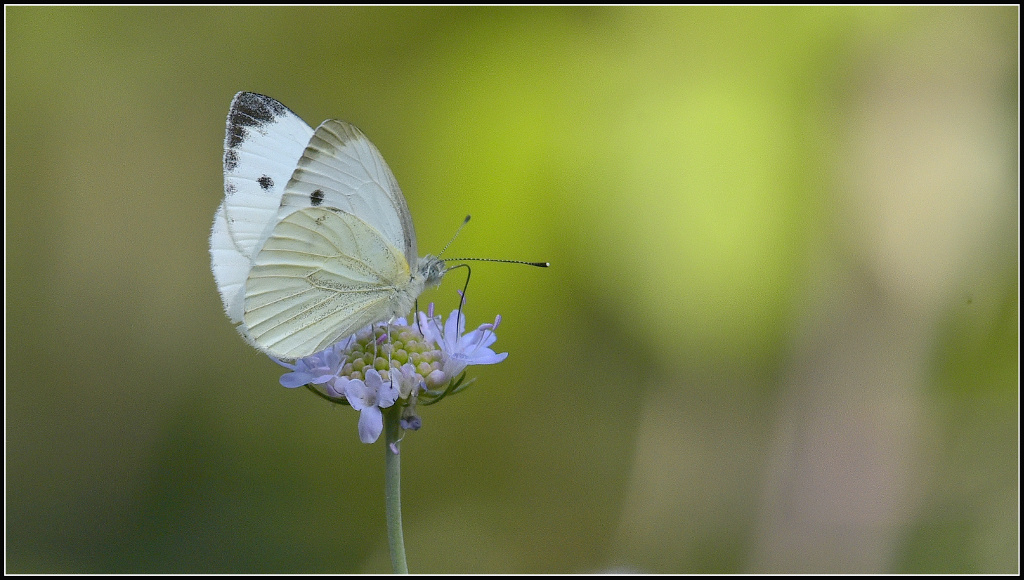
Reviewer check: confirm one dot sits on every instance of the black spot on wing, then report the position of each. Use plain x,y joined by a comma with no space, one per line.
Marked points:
230,188
266,182
317,197
250,111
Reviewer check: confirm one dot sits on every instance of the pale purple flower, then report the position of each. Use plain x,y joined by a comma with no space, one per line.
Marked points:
457,350
369,397
315,369
396,363
407,380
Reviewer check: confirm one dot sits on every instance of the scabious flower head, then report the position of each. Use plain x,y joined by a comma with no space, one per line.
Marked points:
388,363
397,351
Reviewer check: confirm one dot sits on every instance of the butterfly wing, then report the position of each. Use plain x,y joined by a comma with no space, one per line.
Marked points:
230,267
314,239
342,169
262,145
322,275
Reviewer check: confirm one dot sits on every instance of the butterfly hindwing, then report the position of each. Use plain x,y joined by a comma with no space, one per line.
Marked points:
322,275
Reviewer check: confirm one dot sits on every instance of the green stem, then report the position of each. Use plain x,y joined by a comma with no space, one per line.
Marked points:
392,488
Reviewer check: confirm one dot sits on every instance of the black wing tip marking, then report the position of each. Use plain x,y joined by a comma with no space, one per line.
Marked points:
250,111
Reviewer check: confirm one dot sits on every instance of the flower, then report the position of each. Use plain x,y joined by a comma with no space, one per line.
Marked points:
315,369
457,350
408,380
388,363
369,397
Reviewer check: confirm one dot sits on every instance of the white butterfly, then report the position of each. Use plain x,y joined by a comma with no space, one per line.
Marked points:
314,239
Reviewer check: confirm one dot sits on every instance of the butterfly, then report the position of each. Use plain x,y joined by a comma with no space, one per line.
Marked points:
314,239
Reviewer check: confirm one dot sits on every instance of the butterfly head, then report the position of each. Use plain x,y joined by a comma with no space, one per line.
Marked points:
432,269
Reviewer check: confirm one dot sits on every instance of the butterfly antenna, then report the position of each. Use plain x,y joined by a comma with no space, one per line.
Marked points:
469,271
537,264
464,222
458,231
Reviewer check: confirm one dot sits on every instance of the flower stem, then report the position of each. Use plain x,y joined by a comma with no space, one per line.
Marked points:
392,488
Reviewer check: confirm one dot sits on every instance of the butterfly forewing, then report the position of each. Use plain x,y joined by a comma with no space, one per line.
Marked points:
321,275
341,168
263,143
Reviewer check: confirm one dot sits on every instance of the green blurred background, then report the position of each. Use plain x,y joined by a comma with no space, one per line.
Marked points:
779,334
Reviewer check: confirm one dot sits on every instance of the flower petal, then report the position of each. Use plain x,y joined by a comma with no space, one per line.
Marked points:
359,395
295,379
371,423
488,358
